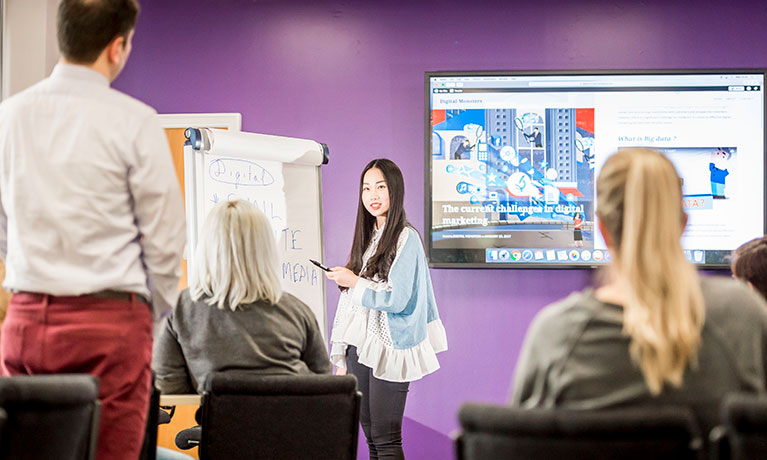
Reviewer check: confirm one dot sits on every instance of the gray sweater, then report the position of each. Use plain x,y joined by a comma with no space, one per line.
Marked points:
576,356
198,338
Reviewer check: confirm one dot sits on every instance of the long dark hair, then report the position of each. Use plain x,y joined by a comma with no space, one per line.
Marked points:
380,262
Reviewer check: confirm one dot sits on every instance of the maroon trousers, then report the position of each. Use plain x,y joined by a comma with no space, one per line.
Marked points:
110,339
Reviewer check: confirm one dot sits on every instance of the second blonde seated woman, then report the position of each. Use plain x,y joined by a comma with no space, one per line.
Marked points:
656,332
234,316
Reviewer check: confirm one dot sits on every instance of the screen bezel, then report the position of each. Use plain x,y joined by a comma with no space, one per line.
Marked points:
543,73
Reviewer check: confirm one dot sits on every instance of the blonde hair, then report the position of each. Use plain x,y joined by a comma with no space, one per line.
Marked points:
639,198
236,258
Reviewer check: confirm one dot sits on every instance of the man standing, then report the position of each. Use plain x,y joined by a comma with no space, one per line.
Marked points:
91,222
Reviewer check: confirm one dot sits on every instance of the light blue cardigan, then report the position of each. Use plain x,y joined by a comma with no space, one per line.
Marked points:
405,347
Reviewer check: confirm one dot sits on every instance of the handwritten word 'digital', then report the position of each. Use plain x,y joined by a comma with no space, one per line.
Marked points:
237,172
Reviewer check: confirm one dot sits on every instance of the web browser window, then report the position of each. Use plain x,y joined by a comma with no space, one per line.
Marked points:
512,160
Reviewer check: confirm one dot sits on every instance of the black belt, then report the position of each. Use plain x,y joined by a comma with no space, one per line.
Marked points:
107,294
118,295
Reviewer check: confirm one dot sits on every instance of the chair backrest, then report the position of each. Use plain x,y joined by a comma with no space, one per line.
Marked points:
3,421
744,418
149,447
246,416
50,416
498,432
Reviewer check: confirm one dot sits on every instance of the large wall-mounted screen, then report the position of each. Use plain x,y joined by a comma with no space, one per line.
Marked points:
512,160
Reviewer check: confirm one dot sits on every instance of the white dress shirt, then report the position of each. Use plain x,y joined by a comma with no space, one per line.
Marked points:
89,198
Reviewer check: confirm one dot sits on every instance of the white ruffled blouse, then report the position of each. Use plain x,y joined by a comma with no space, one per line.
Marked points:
394,324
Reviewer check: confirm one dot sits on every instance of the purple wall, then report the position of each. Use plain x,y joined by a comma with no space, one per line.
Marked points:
350,73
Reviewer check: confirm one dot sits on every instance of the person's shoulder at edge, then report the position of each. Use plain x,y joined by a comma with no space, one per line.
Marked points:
184,307
730,302
21,99
184,298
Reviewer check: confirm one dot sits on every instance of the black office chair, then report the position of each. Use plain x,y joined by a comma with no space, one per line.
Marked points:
500,432
743,432
50,416
246,416
155,417
3,421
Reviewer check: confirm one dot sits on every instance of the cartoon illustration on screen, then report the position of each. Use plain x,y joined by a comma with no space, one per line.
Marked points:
534,137
704,172
577,233
463,149
719,172
525,177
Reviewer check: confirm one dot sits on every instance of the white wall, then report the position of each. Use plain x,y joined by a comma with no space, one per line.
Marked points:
29,45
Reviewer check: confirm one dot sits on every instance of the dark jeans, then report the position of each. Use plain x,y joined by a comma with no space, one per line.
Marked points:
381,411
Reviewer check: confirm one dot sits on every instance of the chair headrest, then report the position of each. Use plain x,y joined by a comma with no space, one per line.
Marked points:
239,382
546,422
745,413
49,390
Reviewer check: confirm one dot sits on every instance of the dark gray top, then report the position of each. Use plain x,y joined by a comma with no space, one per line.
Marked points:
576,356
198,338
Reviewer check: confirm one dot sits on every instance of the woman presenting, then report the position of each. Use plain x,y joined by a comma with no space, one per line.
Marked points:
387,330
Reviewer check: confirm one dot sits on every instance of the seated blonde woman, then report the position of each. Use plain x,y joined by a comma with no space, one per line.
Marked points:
234,316
656,332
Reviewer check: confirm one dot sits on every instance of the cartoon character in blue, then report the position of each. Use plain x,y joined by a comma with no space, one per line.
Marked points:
719,172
